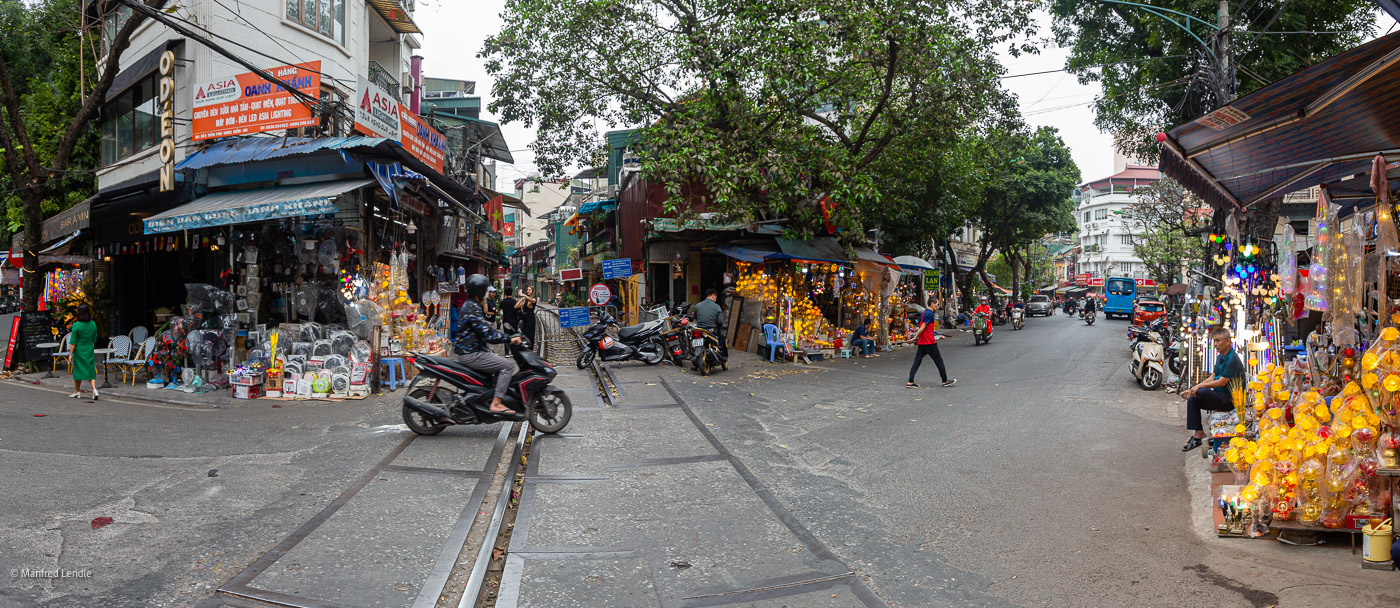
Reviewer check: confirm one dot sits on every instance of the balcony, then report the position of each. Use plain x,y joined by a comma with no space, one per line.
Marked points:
384,79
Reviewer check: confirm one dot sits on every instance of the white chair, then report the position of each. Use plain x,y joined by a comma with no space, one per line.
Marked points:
139,334
121,350
62,354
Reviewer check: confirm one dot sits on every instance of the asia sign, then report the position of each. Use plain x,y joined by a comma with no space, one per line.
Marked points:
378,114
246,103
167,115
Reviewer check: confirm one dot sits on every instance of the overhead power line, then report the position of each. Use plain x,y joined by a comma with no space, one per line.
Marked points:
1097,65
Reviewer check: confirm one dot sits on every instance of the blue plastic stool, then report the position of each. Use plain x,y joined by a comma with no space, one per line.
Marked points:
394,378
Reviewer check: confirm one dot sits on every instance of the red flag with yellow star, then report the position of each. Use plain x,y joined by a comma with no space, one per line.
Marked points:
495,213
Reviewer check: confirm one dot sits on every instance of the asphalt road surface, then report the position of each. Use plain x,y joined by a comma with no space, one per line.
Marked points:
1045,477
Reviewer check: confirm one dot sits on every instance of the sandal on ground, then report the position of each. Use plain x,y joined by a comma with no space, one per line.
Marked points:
1194,443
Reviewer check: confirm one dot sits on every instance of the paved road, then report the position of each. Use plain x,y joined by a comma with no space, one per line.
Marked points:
335,502
1044,478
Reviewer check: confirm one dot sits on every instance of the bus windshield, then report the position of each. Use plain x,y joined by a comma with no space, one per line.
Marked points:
1121,287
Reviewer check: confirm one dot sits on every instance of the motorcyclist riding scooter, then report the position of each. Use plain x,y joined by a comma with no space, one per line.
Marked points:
1090,307
473,335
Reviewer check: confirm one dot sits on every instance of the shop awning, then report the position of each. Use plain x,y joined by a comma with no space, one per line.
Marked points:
821,249
866,254
1316,126
242,206
394,14
756,253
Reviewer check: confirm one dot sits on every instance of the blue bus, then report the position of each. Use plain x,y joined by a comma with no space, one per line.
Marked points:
1119,294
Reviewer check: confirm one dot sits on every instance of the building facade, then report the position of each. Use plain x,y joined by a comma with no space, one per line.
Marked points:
1105,237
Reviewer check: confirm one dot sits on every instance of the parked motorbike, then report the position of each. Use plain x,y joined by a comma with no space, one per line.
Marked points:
1147,362
446,392
674,335
641,342
981,328
1018,318
706,350
1089,316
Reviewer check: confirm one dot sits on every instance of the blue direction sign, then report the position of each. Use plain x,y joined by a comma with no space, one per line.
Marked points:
617,269
573,317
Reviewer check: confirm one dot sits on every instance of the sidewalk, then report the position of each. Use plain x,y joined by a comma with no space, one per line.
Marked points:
222,398
638,504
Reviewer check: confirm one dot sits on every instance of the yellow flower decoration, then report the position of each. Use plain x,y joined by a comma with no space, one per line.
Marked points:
1370,360
1368,380
1392,383
1390,333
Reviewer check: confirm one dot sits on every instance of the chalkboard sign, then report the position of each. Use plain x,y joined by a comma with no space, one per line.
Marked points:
35,328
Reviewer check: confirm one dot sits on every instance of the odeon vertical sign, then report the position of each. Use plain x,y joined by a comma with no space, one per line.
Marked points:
167,130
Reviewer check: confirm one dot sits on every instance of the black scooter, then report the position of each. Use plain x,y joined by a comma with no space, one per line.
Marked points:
641,342
446,392
706,350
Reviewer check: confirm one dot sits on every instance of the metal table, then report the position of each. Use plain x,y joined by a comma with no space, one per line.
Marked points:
106,354
49,346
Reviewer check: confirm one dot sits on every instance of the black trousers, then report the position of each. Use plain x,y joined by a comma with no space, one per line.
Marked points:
1205,399
930,350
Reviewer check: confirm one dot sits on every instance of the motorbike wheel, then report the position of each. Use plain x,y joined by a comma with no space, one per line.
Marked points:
1151,379
585,359
1176,365
416,420
654,352
550,412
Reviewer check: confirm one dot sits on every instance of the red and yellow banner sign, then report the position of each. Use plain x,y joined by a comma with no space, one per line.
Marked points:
246,103
421,140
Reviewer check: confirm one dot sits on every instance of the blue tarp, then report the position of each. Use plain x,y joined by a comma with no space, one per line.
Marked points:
590,207
242,206
756,254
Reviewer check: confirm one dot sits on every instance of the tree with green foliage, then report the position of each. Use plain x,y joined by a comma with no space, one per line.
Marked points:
1155,75
1159,69
761,111
51,88
1025,196
1168,222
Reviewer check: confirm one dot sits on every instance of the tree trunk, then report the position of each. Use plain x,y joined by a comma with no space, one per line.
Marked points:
1265,215
30,279
1014,261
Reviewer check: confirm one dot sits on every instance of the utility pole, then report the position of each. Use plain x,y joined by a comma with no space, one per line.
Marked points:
1227,67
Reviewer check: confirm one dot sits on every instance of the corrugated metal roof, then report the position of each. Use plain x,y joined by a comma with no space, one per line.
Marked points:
249,149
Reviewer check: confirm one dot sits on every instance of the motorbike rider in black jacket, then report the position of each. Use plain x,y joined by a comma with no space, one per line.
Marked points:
473,335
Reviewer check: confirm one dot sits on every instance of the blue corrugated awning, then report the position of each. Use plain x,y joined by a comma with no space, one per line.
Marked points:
606,205
250,149
242,206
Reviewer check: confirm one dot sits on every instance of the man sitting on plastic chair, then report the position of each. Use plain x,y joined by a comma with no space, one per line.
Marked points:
860,339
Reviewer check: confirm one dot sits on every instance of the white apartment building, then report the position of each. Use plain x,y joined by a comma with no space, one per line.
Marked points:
349,38
544,196
1106,248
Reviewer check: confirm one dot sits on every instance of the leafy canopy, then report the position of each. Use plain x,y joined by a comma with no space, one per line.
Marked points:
758,109
1171,80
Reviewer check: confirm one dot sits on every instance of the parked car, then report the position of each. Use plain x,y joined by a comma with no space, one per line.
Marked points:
1146,311
1040,305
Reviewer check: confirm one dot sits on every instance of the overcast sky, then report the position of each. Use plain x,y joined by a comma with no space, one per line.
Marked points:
453,33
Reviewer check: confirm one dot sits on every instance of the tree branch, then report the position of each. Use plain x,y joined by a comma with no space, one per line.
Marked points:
94,100
884,95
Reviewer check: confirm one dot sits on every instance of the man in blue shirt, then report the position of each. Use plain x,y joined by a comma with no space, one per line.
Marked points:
1213,394
860,339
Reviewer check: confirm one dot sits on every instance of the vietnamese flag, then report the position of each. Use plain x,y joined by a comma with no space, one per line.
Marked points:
495,213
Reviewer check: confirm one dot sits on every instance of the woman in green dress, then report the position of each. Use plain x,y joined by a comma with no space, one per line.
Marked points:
80,345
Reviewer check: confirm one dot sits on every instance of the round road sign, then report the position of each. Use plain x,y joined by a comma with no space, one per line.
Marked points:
599,294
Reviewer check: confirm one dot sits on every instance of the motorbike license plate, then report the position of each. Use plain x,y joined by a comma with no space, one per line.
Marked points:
697,342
